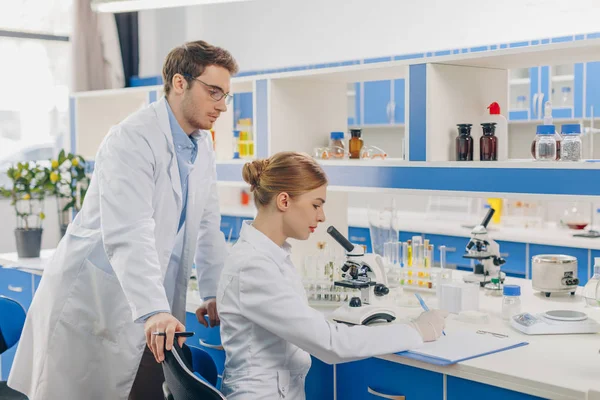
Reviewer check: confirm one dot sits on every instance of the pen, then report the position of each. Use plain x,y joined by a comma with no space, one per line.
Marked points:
425,306
176,334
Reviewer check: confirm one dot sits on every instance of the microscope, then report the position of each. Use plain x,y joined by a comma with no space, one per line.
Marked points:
364,272
486,252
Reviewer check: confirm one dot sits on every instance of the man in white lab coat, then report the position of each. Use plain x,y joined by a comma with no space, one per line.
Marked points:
120,274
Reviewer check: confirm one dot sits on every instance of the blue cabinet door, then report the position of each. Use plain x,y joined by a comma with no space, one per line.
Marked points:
578,106
37,279
515,255
360,236
406,236
356,378
229,227
376,105
399,101
592,89
319,381
455,248
17,285
460,389
534,89
580,254
242,106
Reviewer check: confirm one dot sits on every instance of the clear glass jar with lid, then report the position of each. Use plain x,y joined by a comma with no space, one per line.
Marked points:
511,302
571,146
545,143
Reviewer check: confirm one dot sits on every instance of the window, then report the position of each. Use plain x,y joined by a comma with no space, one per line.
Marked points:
34,77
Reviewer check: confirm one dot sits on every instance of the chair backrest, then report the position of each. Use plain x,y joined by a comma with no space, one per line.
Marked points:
181,383
12,319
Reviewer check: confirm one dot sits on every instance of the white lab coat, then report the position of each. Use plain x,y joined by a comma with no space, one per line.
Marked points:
80,340
268,329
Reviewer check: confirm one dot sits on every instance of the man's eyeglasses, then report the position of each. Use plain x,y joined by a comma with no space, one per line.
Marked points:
215,92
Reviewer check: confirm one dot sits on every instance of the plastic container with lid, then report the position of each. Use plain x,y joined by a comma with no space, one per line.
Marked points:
336,139
571,146
545,143
511,302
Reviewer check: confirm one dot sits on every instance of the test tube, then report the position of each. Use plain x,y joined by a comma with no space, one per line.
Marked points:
404,254
419,251
409,260
429,258
442,256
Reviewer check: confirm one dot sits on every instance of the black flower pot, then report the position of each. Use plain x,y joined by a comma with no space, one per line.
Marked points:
29,242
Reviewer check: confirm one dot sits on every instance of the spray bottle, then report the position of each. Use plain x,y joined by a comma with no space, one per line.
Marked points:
501,130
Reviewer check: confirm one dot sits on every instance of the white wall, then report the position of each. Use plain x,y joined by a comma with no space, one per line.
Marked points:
276,33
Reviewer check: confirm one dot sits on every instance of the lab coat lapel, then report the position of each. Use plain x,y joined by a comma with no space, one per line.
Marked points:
163,122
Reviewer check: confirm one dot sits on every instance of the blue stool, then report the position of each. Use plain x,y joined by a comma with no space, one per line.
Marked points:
12,319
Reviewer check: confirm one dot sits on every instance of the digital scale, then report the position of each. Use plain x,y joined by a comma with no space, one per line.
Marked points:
555,322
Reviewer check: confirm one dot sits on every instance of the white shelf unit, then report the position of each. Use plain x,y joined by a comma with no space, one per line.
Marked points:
302,107
94,113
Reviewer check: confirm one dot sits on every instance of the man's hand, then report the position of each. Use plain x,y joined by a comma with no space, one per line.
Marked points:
163,323
208,307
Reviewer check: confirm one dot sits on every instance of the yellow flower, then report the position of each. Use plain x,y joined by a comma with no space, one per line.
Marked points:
75,162
54,164
53,177
27,196
42,215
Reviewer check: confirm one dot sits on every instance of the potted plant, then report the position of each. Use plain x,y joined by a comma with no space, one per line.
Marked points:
69,184
30,183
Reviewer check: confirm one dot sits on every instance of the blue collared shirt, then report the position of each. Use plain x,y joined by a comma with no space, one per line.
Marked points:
186,150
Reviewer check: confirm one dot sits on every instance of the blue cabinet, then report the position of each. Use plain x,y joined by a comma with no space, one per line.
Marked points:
378,103
17,285
592,89
455,248
460,389
360,236
355,379
406,236
231,226
319,381
242,106
515,255
580,254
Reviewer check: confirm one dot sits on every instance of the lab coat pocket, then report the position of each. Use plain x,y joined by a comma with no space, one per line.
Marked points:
96,304
283,383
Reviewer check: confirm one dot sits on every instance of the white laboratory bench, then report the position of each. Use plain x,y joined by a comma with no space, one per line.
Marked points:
552,367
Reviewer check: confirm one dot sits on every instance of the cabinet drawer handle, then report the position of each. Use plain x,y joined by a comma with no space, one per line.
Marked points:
504,254
358,239
17,289
211,346
450,249
385,396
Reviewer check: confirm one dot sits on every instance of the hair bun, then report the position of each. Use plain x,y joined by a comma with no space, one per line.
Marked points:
252,172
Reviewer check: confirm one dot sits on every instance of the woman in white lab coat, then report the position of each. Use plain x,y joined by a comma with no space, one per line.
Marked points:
268,329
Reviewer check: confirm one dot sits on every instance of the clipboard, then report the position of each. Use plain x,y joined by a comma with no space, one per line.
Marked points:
461,346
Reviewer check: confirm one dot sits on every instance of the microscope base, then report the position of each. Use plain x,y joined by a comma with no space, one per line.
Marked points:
363,315
482,279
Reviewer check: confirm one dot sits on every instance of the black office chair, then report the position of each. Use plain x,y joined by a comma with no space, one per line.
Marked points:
12,319
190,374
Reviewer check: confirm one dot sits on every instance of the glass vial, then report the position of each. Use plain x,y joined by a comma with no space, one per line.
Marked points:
545,143
464,143
488,144
356,143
